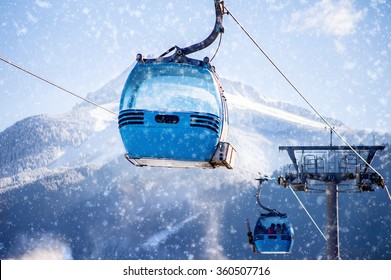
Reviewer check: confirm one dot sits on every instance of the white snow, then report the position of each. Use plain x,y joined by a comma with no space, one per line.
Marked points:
161,236
104,118
274,112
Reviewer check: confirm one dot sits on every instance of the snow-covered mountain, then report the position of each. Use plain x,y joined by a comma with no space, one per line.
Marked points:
66,190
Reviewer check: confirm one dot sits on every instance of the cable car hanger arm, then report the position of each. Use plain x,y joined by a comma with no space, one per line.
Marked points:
258,199
217,29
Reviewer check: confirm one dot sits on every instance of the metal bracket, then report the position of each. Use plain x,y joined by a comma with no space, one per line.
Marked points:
180,53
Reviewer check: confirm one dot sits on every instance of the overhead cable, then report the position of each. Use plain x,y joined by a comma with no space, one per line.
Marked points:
301,95
308,213
57,86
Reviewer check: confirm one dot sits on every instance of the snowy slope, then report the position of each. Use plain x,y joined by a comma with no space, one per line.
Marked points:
66,190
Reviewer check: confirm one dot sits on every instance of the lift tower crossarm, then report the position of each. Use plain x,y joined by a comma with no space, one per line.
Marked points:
291,151
334,165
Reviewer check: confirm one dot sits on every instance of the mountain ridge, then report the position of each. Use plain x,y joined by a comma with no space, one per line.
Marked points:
64,179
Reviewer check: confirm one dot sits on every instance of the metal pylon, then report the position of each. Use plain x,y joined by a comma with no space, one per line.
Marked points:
331,165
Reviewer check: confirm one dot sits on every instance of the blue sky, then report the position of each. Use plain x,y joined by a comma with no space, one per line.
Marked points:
338,53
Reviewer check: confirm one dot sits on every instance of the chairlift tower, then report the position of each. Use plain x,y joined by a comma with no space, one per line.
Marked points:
331,165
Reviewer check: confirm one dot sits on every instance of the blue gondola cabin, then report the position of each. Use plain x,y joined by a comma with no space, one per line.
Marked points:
273,234
174,115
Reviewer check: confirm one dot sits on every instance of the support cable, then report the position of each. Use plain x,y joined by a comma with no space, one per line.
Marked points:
301,95
218,48
57,86
308,213
388,192
246,170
